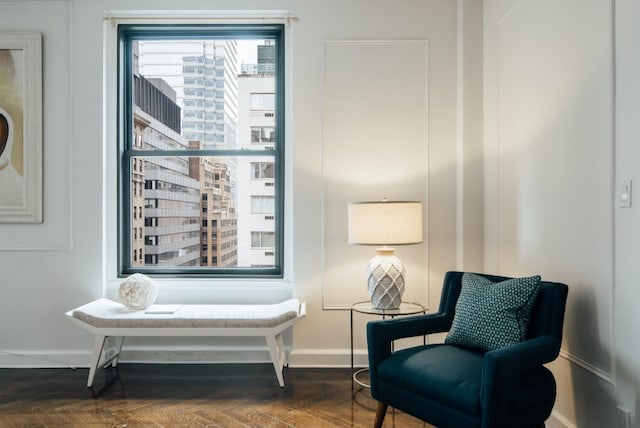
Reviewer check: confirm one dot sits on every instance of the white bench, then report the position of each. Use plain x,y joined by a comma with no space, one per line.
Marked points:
105,318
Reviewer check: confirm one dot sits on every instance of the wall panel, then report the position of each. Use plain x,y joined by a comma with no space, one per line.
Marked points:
374,147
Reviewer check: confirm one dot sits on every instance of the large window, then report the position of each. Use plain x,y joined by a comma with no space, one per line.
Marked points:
193,102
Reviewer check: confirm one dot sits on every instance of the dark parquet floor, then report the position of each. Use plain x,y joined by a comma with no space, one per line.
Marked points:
153,395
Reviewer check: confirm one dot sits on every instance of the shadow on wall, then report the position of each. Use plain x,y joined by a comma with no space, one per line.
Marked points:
628,384
597,399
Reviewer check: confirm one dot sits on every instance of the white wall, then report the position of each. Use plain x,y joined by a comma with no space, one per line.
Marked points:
552,167
558,143
67,261
555,154
627,268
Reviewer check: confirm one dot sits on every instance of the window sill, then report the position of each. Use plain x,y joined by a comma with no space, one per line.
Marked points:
210,291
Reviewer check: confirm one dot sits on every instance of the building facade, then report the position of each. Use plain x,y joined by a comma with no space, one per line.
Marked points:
256,196
204,211
202,74
218,221
171,210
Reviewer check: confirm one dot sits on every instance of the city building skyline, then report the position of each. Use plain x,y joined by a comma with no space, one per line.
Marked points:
201,72
203,211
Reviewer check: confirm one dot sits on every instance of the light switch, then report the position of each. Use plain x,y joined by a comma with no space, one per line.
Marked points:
625,195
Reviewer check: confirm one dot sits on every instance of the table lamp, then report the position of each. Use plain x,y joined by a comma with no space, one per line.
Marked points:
385,223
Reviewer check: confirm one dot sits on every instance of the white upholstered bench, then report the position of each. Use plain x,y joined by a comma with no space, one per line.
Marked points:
105,318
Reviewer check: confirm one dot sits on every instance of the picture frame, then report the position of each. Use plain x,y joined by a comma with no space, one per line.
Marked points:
21,177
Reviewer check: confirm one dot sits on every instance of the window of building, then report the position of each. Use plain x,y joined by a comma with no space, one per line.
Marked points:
262,239
262,101
190,153
263,134
262,170
262,204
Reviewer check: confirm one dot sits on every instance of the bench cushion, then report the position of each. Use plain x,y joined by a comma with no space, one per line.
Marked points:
105,313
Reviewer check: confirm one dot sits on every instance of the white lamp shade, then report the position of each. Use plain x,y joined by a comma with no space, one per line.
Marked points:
385,223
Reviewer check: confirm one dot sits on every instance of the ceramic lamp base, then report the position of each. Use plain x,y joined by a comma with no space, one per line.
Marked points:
385,280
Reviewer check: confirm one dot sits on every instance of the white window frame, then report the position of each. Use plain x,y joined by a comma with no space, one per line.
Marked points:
241,289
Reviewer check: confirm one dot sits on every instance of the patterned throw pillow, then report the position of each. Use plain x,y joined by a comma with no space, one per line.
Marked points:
491,315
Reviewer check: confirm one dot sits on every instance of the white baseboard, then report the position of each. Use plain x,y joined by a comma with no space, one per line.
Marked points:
322,358
31,359
556,420
195,355
308,358
44,359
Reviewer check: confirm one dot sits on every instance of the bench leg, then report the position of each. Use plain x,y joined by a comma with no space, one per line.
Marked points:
118,349
280,342
276,349
98,345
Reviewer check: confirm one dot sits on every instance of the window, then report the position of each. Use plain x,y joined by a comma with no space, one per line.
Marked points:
263,134
262,101
262,204
261,170
262,239
189,151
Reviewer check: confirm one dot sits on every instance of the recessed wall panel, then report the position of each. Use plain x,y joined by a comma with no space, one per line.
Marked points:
374,147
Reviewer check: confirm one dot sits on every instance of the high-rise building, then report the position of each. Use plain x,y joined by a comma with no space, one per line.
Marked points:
200,76
218,240
256,198
140,123
203,75
234,196
171,211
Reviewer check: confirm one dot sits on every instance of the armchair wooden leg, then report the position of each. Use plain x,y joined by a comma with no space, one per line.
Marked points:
380,412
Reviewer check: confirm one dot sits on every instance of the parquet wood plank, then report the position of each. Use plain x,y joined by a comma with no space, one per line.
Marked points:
218,396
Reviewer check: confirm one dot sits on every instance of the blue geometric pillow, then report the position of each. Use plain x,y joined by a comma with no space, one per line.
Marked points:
491,315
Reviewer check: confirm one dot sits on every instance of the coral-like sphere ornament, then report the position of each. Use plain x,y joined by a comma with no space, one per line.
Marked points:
138,292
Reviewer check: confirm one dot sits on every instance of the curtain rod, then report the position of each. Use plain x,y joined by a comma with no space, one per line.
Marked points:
177,17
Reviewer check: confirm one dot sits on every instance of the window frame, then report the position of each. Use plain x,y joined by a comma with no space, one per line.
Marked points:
126,147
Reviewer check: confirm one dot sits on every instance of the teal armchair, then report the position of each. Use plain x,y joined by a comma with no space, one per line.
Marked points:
452,386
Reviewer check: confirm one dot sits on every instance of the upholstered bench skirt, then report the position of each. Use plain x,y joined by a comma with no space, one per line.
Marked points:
105,318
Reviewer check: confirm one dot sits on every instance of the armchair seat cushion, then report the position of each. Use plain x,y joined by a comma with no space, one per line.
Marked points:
446,374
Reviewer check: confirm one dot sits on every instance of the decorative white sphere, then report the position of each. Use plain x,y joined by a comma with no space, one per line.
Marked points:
138,292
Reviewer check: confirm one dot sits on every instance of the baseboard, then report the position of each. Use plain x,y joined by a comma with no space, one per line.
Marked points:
42,359
556,420
327,358
302,358
77,359
195,355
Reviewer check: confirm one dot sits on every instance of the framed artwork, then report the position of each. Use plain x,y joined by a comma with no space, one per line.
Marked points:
20,127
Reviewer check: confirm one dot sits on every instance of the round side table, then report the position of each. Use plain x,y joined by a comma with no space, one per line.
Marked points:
365,307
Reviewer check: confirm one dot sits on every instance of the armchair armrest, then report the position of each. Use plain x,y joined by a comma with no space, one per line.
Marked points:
381,333
523,355
504,365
